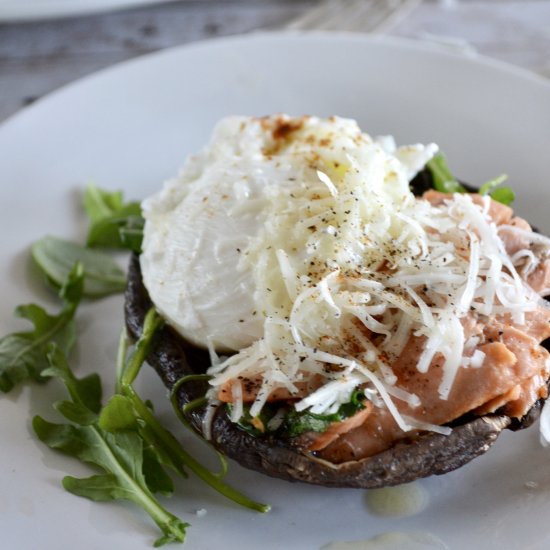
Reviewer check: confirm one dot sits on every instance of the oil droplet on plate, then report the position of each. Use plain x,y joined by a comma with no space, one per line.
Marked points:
402,500
392,541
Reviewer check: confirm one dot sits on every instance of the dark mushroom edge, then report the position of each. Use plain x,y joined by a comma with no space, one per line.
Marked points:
424,455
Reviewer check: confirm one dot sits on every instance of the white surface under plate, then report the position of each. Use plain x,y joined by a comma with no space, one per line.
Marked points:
130,127
23,10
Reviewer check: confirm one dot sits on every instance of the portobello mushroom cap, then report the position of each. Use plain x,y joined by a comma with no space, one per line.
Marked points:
408,459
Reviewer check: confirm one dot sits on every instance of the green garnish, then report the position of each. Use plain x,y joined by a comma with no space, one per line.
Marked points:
123,438
131,470
260,424
114,224
491,184
100,204
56,257
504,195
295,422
443,179
23,354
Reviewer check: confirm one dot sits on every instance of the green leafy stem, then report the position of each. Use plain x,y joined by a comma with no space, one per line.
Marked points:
162,437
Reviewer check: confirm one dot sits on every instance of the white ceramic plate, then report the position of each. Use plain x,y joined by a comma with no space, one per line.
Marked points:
130,127
26,10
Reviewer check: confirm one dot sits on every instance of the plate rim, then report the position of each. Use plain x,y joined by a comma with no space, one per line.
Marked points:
418,45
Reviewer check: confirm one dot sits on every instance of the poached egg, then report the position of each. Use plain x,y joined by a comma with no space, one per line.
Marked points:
217,236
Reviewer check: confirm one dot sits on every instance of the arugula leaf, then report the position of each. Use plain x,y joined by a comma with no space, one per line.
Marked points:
55,257
114,224
124,438
504,195
131,469
121,230
443,179
156,477
120,455
100,203
491,184
86,391
179,457
131,235
75,412
118,414
23,354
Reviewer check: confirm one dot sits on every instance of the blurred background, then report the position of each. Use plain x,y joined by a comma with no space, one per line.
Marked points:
45,44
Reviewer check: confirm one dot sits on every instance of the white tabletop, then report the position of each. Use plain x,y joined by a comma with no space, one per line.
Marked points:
39,56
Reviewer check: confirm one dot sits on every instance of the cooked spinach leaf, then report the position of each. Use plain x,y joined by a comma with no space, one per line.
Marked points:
295,422
260,424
